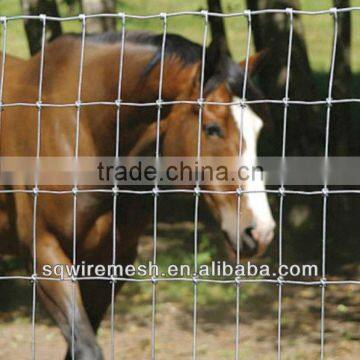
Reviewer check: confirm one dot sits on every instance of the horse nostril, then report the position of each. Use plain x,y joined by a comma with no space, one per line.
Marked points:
250,245
248,230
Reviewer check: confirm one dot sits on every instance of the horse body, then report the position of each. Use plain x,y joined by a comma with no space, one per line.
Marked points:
140,81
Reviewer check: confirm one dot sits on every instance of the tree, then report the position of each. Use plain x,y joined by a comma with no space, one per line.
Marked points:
341,116
305,133
101,24
309,140
343,142
270,30
217,26
33,28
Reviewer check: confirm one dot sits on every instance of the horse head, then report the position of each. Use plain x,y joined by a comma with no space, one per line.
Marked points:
224,129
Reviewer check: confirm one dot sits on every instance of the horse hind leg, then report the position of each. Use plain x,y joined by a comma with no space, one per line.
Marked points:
94,304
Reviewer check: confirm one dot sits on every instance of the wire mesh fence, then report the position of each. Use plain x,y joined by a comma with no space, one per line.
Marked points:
118,103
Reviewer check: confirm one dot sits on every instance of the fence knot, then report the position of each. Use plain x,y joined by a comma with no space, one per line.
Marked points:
42,17
82,18
155,191
75,190
73,278
247,13
201,102
115,190
197,191
78,104
122,16
323,282
159,103
112,279
239,191
163,16
154,280
35,191
237,281
281,191
280,281
195,279
3,19
325,191
289,11
39,105
205,14
34,278
243,103
329,101
285,101
333,11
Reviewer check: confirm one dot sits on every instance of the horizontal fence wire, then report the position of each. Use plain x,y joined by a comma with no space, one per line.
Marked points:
177,102
181,13
279,192
234,281
197,191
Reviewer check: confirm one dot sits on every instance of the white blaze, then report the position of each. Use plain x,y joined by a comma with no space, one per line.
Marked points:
250,125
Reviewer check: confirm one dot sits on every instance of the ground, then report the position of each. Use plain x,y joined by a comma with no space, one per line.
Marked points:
216,318
215,335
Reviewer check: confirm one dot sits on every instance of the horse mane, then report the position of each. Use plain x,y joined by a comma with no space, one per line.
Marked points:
186,51
219,68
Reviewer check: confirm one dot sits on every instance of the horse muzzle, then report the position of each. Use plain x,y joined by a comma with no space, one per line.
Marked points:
253,241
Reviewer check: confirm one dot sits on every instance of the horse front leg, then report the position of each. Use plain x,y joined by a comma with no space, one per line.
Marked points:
58,298
97,294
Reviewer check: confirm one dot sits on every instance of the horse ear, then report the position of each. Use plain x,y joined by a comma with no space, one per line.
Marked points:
216,60
147,140
256,61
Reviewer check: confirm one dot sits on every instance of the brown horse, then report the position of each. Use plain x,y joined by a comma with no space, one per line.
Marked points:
220,136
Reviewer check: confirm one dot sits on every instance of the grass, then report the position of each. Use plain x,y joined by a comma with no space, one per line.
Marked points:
317,29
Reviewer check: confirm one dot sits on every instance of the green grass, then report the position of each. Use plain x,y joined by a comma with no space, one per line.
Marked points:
317,29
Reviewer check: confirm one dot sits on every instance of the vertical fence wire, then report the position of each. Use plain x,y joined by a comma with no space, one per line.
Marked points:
163,16
325,188
115,188
36,189
239,190
197,191
3,21
289,11
197,183
82,18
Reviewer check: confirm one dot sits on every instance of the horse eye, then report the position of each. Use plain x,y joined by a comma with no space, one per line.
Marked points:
213,130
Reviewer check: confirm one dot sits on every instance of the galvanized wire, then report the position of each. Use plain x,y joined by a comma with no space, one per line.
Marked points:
197,191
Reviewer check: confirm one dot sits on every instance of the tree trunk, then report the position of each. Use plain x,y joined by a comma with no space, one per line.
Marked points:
33,28
217,26
341,115
272,31
344,142
99,25
305,133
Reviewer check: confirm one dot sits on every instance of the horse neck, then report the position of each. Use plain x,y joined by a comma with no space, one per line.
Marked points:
102,67
136,88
